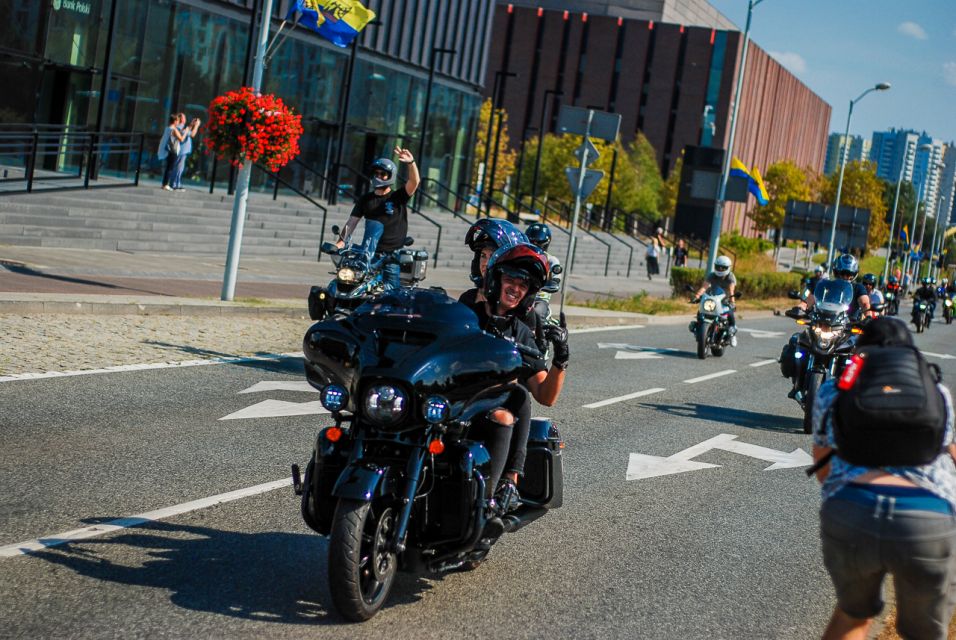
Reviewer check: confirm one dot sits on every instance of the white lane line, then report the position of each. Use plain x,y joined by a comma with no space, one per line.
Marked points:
711,376
762,363
599,329
24,548
630,396
145,367
944,356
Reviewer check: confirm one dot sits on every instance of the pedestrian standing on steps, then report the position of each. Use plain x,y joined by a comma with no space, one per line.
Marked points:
169,146
185,148
653,251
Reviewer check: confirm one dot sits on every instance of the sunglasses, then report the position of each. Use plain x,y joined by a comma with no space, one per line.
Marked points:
381,174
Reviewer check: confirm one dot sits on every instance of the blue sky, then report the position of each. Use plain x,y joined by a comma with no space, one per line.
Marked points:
839,48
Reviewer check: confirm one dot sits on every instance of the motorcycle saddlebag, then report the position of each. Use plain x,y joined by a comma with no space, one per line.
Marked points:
543,481
788,361
413,264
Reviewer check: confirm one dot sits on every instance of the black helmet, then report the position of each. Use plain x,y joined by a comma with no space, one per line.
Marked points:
846,265
386,165
893,280
926,281
523,261
494,233
539,235
869,279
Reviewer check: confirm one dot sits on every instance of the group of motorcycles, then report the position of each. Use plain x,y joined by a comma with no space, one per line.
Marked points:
395,482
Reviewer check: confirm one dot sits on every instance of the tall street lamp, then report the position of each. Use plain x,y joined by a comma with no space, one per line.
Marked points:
428,102
725,171
932,166
907,263
932,245
541,131
883,86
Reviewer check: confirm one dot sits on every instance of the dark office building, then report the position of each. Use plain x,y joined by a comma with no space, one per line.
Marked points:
172,55
671,81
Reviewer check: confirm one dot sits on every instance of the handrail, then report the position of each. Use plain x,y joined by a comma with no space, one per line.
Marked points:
649,227
411,208
459,198
485,198
438,202
325,212
607,261
324,178
630,250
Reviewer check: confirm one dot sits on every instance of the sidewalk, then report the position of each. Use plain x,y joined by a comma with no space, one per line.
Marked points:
43,280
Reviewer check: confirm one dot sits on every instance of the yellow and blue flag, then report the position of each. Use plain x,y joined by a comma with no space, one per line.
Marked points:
338,21
754,181
905,234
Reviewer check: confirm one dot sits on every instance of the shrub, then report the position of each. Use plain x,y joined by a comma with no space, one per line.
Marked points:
752,284
744,246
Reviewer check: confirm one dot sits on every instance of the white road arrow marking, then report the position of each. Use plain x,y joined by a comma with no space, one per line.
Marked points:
761,333
635,352
281,385
277,408
944,356
640,466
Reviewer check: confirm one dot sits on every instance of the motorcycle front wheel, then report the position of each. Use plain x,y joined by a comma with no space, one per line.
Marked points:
362,565
702,340
814,380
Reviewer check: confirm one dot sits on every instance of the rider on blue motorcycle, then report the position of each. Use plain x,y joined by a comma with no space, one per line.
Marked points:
724,278
386,213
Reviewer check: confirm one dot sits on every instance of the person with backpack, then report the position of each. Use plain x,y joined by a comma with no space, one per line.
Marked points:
884,453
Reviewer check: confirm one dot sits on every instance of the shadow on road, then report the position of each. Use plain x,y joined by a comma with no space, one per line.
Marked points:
274,576
27,271
283,365
728,415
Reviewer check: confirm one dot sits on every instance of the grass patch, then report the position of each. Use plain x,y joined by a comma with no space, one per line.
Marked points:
639,303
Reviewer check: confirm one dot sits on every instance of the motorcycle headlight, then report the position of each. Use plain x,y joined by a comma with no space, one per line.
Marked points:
385,404
334,397
823,333
949,302
348,275
436,410
710,305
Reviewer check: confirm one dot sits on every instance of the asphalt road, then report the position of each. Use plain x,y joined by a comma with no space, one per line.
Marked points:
722,551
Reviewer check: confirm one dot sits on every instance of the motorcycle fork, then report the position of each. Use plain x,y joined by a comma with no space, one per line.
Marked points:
412,472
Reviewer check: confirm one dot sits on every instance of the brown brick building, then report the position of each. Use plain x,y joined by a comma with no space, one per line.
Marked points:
671,81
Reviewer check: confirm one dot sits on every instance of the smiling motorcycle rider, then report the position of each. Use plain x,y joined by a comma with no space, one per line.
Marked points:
512,277
386,213
724,278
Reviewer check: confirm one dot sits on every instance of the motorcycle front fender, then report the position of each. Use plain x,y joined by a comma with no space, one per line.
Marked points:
364,481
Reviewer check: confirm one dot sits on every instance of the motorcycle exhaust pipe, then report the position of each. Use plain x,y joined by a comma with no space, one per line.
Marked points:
522,517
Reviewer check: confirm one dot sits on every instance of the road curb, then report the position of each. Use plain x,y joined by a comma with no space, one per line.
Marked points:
34,307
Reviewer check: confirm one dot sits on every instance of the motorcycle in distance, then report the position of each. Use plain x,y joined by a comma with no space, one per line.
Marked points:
892,303
921,318
357,277
823,349
398,481
948,307
710,328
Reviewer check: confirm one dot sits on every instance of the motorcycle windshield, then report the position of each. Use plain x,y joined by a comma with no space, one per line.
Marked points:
833,296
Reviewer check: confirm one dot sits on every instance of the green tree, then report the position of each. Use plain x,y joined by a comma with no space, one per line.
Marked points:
670,188
506,156
785,181
862,189
650,185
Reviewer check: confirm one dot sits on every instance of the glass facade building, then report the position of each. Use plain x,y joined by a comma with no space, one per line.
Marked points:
177,55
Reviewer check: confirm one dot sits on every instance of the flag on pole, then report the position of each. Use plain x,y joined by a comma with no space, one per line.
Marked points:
905,234
338,21
754,181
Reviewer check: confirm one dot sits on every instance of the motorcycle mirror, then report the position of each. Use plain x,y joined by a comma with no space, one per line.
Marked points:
794,295
689,288
556,270
738,295
330,248
409,241
551,287
336,229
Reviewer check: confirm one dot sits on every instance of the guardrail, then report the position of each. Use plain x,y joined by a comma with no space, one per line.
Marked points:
422,189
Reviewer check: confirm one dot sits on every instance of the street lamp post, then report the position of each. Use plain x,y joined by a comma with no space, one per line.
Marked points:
541,132
883,86
491,119
428,102
933,166
725,171
932,245
896,201
907,261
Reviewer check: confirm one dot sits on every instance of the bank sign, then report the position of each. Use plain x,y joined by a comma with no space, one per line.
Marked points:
76,6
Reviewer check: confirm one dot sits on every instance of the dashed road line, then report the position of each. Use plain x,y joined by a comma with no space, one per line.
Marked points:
762,363
710,376
630,396
600,329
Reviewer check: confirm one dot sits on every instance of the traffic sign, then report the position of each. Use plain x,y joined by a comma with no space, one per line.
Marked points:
592,152
575,120
591,179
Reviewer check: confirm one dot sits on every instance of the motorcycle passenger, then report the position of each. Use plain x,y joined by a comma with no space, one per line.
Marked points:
513,276
385,211
724,278
926,293
810,283
846,267
540,236
876,296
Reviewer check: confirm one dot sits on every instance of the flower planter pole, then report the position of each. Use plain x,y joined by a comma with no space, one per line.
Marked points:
242,186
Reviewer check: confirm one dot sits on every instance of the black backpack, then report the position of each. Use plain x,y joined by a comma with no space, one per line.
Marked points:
893,414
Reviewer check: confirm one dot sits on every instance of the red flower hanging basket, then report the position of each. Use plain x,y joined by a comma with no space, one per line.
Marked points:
261,129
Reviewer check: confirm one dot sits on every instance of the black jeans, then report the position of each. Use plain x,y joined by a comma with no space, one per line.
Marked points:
506,444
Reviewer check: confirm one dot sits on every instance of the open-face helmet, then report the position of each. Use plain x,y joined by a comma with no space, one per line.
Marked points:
492,233
383,166
722,265
893,280
519,261
820,270
846,266
869,280
539,235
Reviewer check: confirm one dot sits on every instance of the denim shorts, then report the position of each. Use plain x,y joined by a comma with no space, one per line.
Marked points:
869,531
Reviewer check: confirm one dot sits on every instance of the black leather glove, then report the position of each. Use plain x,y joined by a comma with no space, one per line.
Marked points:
558,337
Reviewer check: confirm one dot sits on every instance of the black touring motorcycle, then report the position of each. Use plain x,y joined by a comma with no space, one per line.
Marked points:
397,483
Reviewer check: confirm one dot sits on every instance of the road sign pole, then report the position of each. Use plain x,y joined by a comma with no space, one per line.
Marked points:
577,209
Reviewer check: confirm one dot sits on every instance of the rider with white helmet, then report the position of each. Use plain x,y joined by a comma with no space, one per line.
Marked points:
724,278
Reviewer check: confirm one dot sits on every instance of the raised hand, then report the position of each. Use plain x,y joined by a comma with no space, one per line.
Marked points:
404,155
558,336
